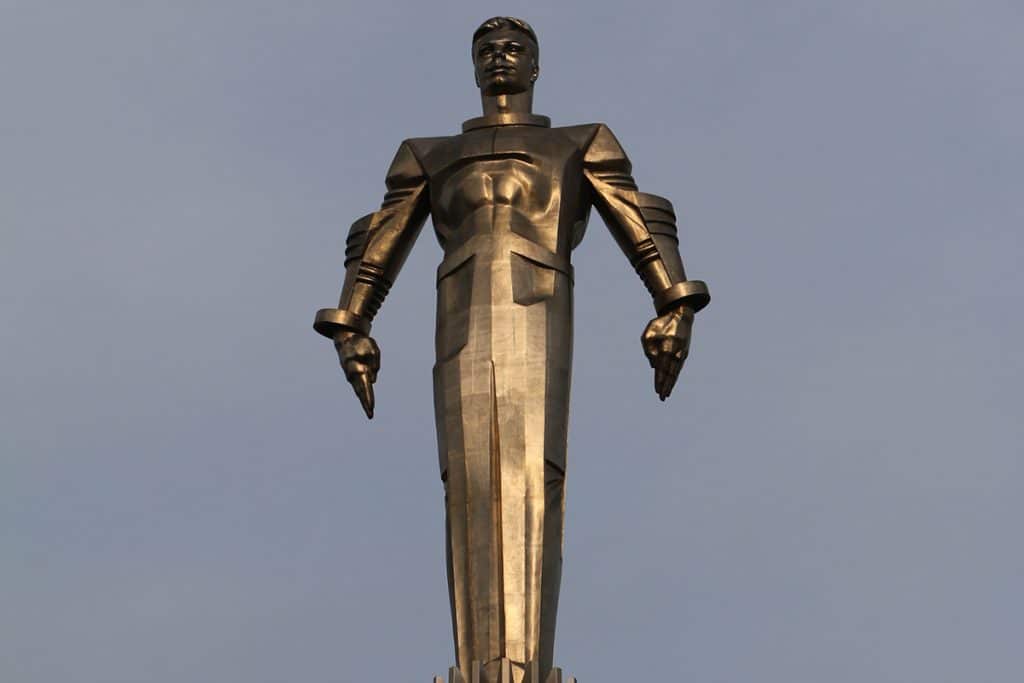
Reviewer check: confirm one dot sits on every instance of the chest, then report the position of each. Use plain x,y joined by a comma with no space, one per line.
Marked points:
527,168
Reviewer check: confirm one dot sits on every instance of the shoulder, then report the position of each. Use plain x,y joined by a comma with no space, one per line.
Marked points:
580,134
596,140
408,163
421,147
599,145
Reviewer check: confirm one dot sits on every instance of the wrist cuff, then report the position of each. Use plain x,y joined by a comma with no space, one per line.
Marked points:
693,293
330,321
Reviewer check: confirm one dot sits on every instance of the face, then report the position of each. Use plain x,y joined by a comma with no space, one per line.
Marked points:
505,63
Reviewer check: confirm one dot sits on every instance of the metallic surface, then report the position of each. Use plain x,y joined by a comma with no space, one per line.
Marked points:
509,199
505,675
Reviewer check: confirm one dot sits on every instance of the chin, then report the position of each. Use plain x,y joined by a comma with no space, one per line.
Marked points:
503,88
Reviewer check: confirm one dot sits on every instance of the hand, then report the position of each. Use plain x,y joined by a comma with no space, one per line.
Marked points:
360,359
666,342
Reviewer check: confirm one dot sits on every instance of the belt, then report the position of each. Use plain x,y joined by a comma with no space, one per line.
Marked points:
506,241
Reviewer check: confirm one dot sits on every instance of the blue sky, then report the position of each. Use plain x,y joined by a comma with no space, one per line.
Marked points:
189,490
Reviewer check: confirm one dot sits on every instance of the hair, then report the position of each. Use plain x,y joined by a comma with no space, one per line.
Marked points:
498,23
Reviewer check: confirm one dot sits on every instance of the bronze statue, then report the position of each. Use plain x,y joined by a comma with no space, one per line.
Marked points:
509,198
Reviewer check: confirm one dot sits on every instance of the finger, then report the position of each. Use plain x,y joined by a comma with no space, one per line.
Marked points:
662,374
672,376
668,348
374,358
650,349
353,368
659,372
672,373
364,390
669,345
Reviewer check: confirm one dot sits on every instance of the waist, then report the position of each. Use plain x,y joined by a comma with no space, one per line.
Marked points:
496,245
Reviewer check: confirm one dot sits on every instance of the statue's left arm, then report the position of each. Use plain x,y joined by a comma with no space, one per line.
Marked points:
666,340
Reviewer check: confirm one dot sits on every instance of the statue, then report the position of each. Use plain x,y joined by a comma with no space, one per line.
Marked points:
509,199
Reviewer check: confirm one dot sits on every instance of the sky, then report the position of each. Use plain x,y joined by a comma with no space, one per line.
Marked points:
190,492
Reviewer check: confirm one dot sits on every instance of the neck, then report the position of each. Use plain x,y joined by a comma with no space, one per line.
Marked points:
518,103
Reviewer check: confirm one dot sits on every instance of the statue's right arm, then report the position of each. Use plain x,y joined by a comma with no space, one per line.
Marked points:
377,249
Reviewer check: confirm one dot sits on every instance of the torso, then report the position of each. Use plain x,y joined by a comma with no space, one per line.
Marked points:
522,179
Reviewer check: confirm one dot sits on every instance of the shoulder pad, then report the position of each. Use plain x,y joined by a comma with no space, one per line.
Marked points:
605,152
405,169
581,135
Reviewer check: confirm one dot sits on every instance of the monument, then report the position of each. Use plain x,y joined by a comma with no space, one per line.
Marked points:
509,199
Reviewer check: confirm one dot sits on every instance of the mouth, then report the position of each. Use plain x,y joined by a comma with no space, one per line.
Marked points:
500,70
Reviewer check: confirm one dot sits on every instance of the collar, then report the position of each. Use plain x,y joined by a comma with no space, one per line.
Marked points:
506,119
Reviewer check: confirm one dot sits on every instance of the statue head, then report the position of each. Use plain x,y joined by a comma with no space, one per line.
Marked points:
505,56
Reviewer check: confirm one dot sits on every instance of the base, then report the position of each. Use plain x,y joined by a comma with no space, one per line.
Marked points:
504,674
